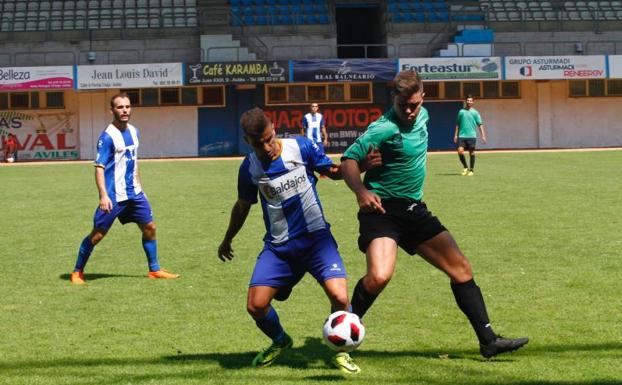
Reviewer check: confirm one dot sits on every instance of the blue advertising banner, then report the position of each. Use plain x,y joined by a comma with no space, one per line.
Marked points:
353,70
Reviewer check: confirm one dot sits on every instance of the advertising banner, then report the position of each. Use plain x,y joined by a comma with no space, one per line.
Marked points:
455,68
41,136
129,76
353,70
36,78
252,72
615,66
344,123
554,67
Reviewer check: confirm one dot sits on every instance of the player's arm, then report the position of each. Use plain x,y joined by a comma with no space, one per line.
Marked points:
373,159
367,200
482,132
303,126
239,212
456,130
324,134
105,204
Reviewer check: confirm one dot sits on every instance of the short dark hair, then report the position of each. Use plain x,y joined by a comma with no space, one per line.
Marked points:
120,95
407,83
469,96
254,122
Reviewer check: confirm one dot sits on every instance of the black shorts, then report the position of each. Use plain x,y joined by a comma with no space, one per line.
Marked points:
408,222
467,143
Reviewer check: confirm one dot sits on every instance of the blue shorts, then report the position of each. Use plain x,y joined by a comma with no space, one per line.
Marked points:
286,264
137,210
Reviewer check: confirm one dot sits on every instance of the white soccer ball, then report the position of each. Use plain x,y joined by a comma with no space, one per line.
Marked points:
10,159
343,331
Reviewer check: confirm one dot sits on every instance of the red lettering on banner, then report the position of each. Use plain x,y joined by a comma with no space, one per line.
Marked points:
43,141
60,139
582,73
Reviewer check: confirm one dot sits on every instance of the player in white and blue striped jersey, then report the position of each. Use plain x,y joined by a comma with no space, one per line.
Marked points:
120,193
314,127
298,238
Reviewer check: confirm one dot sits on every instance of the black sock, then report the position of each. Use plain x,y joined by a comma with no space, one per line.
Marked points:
362,299
462,160
472,161
470,301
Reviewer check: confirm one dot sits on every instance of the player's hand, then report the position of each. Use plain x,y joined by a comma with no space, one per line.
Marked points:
325,143
373,159
484,139
225,252
369,202
105,204
456,139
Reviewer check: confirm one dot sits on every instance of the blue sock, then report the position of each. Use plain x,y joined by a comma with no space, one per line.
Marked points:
151,251
86,248
271,326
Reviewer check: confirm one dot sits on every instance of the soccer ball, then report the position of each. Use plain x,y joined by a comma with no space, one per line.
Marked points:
343,331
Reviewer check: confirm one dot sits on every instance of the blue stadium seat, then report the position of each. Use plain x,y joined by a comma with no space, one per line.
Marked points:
235,3
323,19
261,20
310,19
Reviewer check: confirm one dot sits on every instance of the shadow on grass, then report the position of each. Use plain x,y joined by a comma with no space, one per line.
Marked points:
313,354
96,276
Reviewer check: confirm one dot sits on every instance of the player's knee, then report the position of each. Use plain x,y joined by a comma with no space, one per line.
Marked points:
257,310
339,300
149,230
377,281
96,236
461,271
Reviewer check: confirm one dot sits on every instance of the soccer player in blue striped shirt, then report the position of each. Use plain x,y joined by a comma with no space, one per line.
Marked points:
298,238
120,193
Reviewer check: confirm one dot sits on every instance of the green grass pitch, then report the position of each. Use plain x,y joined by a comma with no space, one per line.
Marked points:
542,231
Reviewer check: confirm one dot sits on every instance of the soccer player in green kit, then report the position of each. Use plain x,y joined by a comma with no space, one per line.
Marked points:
465,134
392,213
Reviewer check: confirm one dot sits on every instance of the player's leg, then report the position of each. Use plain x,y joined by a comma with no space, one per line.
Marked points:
102,222
443,252
378,235
471,150
381,256
461,156
326,265
84,252
139,211
271,273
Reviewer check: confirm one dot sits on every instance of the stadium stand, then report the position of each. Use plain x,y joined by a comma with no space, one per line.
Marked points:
279,12
520,11
22,15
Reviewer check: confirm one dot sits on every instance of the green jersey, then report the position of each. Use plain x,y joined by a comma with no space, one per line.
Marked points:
467,122
404,150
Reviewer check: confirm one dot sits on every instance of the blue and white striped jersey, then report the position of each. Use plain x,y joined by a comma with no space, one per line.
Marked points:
117,152
289,200
312,123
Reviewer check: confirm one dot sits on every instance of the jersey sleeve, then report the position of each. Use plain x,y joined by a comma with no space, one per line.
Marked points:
247,190
374,136
105,150
315,158
305,124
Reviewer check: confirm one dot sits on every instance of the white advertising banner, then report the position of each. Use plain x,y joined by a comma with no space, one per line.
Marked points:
456,68
615,66
555,67
35,78
129,76
42,135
